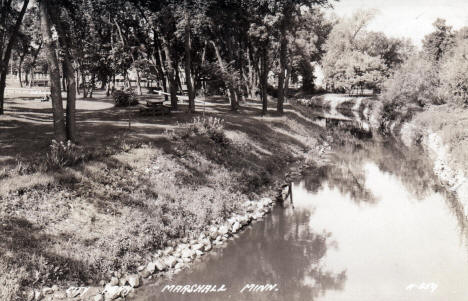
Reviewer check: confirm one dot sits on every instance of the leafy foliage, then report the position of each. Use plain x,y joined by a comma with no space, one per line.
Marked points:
124,98
454,75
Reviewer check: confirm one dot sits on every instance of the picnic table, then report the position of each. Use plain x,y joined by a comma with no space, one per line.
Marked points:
155,107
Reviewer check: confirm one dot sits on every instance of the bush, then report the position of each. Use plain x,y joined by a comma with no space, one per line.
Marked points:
211,127
61,154
124,98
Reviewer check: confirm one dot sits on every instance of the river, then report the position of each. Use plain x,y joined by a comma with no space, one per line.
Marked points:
372,224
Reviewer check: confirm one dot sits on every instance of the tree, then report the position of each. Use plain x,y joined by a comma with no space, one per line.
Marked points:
454,75
415,83
10,23
358,59
54,70
307,46
439,42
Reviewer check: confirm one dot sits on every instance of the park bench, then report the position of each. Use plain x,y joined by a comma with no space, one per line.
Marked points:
155,107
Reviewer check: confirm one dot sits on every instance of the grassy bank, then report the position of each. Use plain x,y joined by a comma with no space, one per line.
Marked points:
133,191
451,124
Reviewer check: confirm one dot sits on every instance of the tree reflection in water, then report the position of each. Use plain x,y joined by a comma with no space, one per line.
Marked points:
351,152
281,250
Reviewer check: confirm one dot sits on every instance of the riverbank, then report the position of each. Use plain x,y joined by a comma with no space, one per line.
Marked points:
137,192
440,130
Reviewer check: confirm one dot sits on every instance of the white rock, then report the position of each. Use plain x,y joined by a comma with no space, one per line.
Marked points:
187,253
98,298
151,267
171,261
73,292
168,250
182,247
213,232
223,230
207,247
112,292
37,295
197,247
160,265
141,268
133,280
125,291
236,227
199,253
47,291
179,265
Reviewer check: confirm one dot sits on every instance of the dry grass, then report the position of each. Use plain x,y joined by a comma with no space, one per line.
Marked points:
137,188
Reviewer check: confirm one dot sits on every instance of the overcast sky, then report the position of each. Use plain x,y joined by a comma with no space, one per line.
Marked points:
408,18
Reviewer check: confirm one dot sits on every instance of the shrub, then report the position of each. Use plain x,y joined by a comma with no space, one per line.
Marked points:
64,154
211,127
124,98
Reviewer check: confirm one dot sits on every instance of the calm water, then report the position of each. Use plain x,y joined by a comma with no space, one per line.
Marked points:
372,225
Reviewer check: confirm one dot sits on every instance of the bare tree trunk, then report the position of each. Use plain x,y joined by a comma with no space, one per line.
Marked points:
77,76
5,52
138,82
68,75
188,64
54,70
264,81
20,67
231,92
170,73
283,66
163,73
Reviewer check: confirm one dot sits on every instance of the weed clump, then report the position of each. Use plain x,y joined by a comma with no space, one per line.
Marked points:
210,127
63,154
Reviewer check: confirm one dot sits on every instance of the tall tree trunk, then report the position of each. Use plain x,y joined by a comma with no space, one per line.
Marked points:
68,75
188,64
77,77
20,74
163,71
231,92
54,70
170,73
264,81
283,66
6,45
138,82
287,80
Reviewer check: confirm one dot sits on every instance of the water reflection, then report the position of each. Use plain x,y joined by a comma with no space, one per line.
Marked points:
390,244
374,224
281,250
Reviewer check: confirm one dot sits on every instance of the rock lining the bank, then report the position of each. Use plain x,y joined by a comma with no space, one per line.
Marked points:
171,260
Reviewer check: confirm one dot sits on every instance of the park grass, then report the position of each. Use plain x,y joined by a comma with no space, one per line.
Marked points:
135,190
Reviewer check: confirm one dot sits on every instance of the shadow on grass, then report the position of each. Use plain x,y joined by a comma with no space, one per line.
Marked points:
22,244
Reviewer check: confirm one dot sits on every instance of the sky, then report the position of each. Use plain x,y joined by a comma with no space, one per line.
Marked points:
408,18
